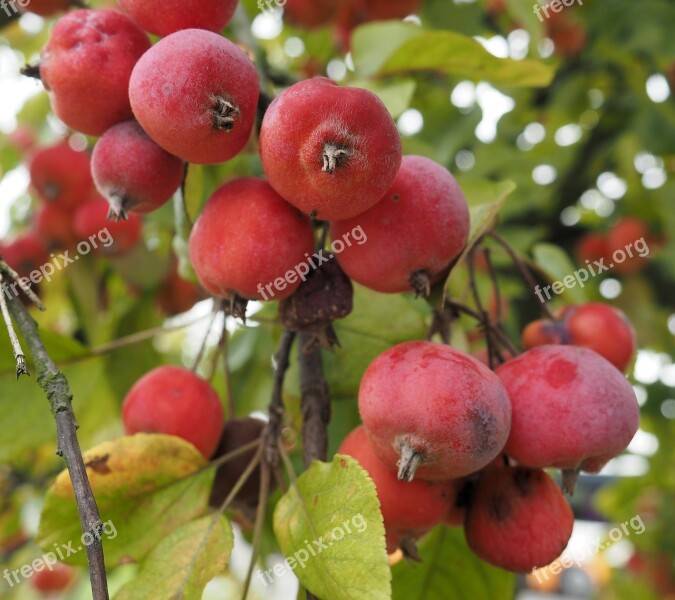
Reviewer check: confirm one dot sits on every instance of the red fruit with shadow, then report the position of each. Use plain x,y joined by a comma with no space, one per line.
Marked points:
61,176
571,409
55,227
591,247
409,509
54,580
174,401
433,411
330,151
412,235
112,238
518,519
622,238
132,172
86,66
25,253
195,93
164,17
236,434
247,237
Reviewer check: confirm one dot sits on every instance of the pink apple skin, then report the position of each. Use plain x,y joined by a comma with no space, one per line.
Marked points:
247,237
443,403
422,223
195,93
175,401
163,17
132,172
330,151
86,65
572,409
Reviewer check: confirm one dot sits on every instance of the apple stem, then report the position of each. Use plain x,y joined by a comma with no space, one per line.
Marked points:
409,462
569,480
419,281
224,113
334,156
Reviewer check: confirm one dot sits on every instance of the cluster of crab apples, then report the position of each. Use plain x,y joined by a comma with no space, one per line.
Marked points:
445,439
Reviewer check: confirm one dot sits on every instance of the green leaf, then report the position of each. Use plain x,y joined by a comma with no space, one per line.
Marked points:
395,96
395,48
183,563
555,263
449,571
330,528
485,200
143,484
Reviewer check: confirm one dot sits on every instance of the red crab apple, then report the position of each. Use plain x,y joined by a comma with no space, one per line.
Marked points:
177,295
61,176
330,151
55,579
433,410
132,172
163,17
25,254
571,409
308,14
46,8
408,508
86,66
112,238
518,519
382,10
54,226
175,401
629,235
248,237
195,93
414,232
593,325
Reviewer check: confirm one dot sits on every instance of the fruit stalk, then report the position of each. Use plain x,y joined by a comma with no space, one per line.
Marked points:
55,386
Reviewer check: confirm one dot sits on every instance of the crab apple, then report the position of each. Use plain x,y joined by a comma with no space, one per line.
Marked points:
46,8
237,433
415,231
61,175
592,247
571,409
380,10
622,238
330,151
91,220
309,14
195,93
407,507
177,295
56,579
247,236
86,66
175,401
25,254
132,172
433,410
518,519
594,325
54,226
163,17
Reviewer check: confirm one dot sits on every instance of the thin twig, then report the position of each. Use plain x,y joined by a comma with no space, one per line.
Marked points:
55,385
20,281
276,409
202,348
261,510
229,388
19,357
